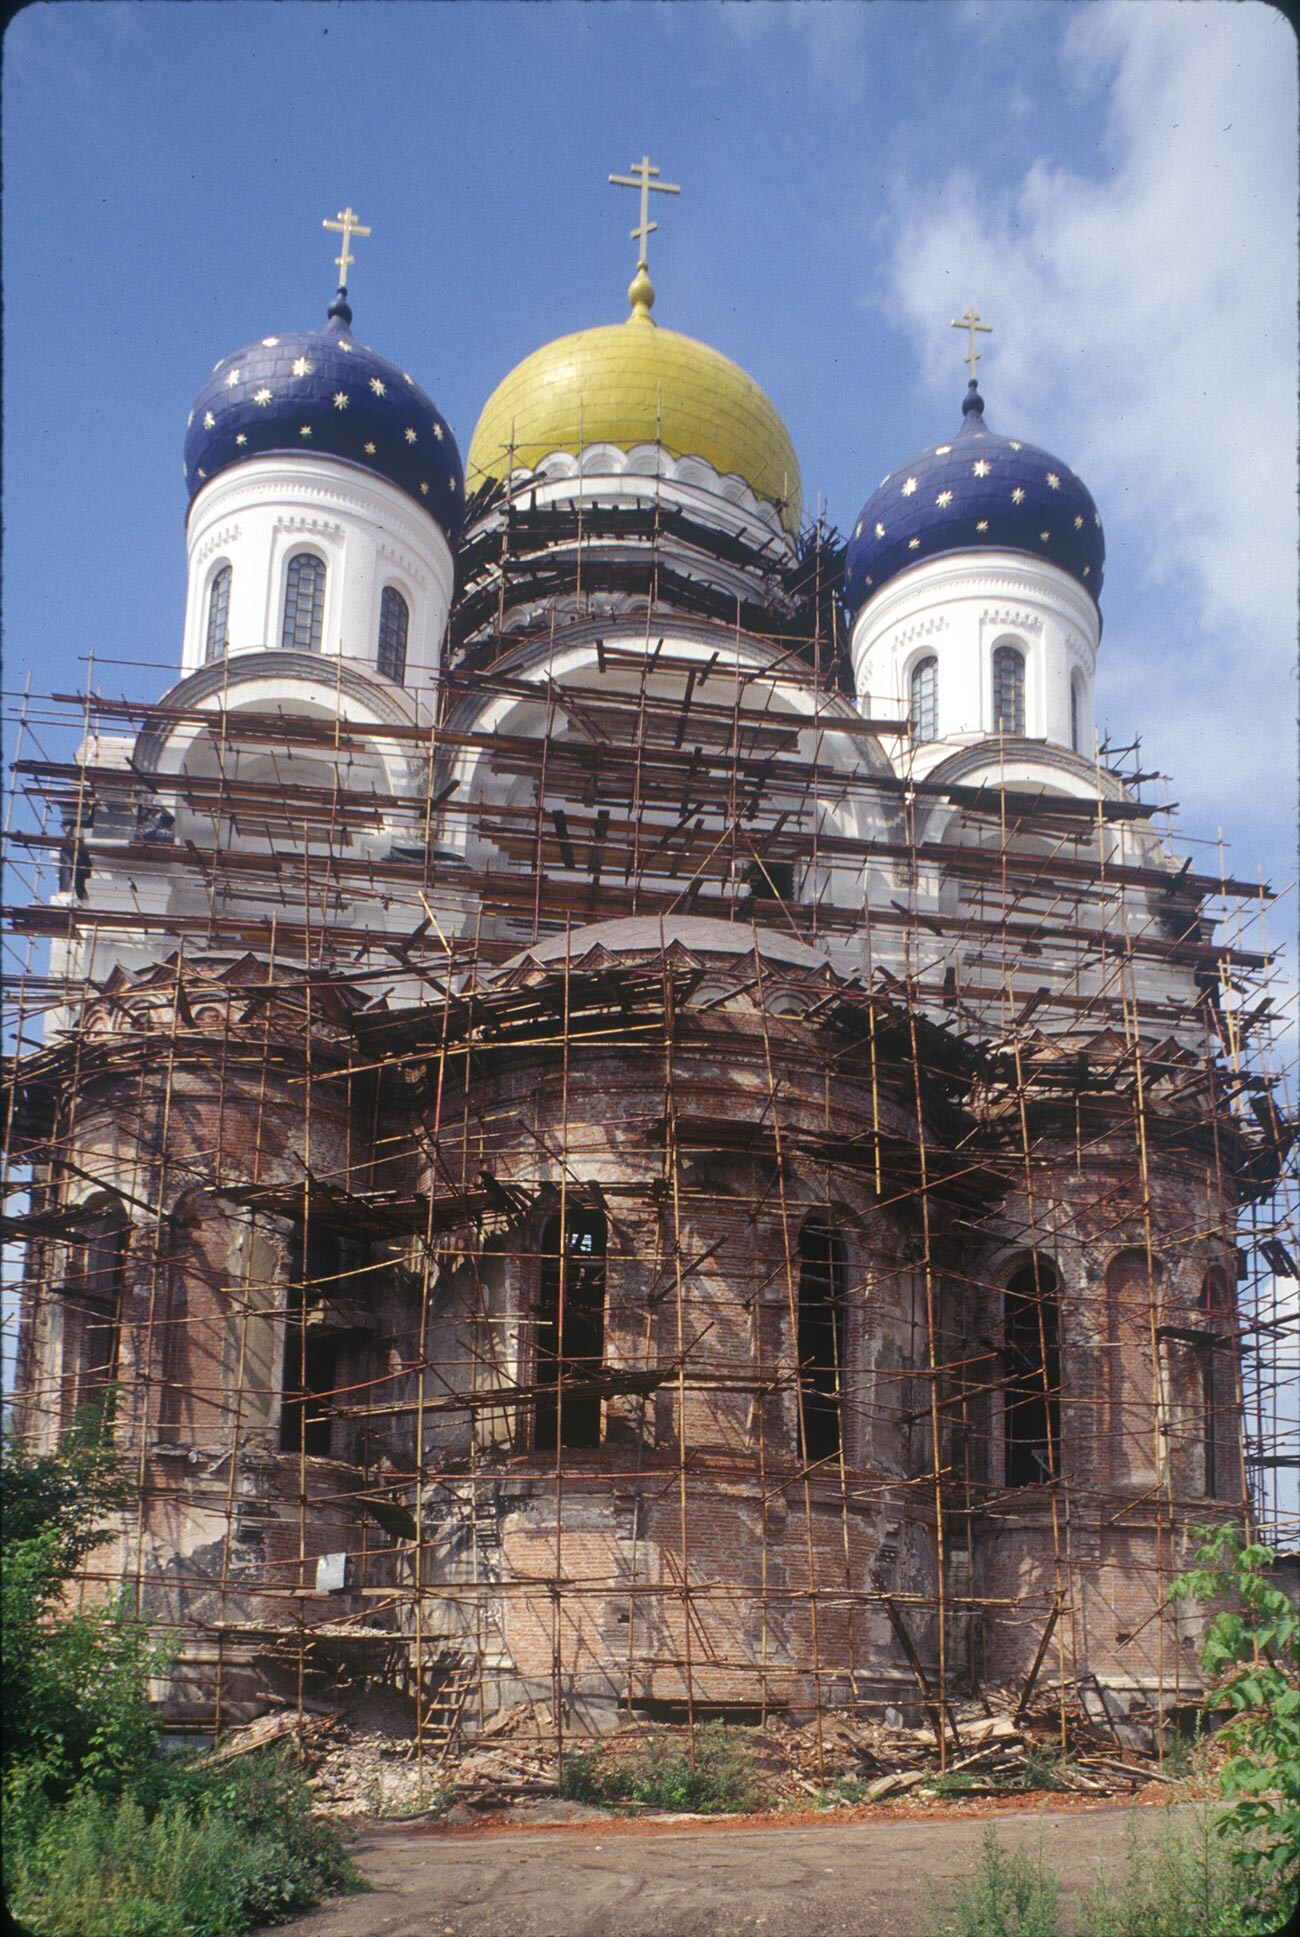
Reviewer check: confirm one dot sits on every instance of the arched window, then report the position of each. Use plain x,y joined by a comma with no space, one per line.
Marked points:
218,634
304,603
1076,713
1133,1312
94,1309
1031,1407
570,1330
1218,1389
394,622
924,699
822,1261
1008,690
322,1269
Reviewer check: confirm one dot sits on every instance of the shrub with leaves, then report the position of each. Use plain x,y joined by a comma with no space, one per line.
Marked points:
1010,1895
1251,1651
104,1836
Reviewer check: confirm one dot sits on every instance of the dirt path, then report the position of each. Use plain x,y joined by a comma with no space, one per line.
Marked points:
615,1879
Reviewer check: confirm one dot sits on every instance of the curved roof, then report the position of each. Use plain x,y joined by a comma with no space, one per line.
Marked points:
980,492
320,392
632,383
652,934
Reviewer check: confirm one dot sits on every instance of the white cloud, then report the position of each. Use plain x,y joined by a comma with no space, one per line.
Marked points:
834,33
1146,331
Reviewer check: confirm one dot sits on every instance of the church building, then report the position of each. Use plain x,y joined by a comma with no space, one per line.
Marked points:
631,1112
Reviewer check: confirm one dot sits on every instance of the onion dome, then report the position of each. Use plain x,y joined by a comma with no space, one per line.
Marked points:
633,383
981,492
322,393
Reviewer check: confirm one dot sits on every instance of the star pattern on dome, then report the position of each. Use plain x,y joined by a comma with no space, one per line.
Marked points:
942,450
913,544
296,393
944,499
880,530
982,524
1045,536
909,487
980,467
1053,480
1013,444
1018,496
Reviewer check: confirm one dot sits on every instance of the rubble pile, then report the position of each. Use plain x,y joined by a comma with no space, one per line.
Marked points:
367,1761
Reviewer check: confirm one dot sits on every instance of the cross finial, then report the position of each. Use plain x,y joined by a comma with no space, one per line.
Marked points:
641,177
346,225
971,321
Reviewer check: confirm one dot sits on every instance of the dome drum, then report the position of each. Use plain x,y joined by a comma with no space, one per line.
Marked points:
364,539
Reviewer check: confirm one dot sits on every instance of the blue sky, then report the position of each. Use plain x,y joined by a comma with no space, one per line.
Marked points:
1112,185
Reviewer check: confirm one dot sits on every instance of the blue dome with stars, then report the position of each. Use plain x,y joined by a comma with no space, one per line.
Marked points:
322,392
981,492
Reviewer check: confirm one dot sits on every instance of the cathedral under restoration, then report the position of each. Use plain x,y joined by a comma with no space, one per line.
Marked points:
629,1111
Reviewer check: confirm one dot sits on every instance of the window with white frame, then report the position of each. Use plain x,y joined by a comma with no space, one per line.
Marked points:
217,638
1008,690
304,603
394,624
923,698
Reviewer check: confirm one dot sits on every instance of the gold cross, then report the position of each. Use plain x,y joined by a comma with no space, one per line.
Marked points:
347,226
971,321
640,178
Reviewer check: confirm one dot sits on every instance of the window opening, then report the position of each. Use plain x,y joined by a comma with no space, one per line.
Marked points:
1008,690
394,623
321,1265
95,1312
770,880
304,603
822,1260
1032,1373
1076,724
218,638
924,713
570,1330
1218,1396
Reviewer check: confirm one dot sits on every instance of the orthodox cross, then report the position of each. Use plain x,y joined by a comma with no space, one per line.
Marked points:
347,226
971,321
641,178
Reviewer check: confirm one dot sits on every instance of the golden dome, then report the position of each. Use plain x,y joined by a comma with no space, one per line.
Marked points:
633,383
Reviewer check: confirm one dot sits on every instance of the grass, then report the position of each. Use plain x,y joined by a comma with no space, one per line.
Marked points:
1010,1895
184,1852
719,1780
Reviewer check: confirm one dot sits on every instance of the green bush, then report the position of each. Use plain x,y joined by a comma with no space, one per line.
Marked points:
206,1854
1251,1651
1182,1883
1010,1895
718,1781
104,1836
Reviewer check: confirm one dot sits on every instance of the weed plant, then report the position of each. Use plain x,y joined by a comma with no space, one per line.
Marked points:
718,1781
1010,1895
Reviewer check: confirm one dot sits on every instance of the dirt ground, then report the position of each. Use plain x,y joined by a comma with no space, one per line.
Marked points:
865,1875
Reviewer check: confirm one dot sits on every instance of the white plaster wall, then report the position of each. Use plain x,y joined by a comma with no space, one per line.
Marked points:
256,515
959,608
